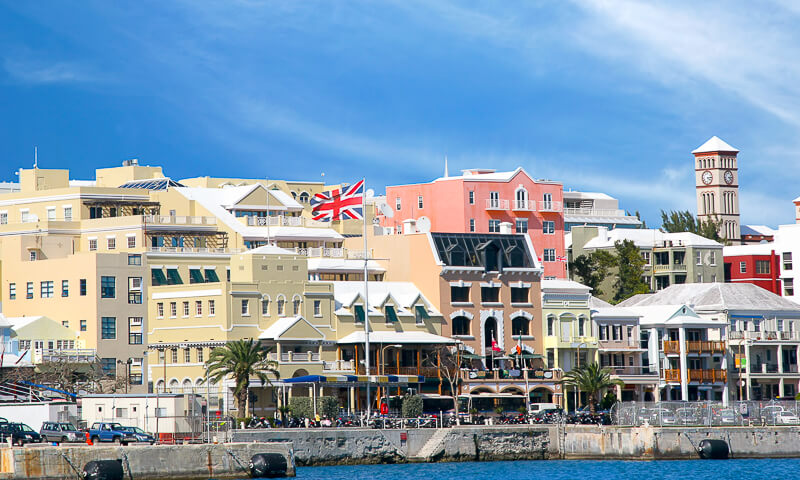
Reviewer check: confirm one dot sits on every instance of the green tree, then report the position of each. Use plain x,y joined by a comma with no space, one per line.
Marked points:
590,378
412,406
592,269
684,221
241,359
630,271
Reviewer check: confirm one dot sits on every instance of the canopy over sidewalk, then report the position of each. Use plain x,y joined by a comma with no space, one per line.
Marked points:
354,380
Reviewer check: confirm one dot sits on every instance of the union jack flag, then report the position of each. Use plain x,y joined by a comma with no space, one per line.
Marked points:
339,204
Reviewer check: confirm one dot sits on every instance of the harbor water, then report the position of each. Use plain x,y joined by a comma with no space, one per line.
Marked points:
766,469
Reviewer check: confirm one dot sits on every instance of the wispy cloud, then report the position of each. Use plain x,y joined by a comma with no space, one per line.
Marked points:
47,73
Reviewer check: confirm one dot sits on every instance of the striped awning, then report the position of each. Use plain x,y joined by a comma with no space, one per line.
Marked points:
351,380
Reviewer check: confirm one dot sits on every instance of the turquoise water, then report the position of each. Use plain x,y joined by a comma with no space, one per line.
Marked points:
566,470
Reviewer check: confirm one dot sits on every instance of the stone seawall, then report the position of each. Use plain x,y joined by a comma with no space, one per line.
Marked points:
365,446
156,462
523,442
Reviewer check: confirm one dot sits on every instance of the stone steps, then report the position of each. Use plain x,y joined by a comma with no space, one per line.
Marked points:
432,446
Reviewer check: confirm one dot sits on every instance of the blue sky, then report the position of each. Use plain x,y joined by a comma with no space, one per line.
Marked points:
605,96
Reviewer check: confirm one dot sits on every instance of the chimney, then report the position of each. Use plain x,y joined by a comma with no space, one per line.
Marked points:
409,226
505,228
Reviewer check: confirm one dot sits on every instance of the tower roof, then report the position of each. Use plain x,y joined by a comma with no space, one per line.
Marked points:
714,144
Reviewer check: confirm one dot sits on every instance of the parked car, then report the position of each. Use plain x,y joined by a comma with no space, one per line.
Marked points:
786,418
769,414
61,432
19,433
662,416
727,416
141,435
110,432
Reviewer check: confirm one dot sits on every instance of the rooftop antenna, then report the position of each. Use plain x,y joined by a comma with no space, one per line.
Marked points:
446,174
35,156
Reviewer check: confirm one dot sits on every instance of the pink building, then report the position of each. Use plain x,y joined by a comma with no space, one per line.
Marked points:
485,201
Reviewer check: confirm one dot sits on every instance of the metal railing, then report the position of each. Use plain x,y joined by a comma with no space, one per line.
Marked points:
595,212
513,374
766,335
282,221
193,250
496,204
290,357
179,220
77,355
524,205
549,206
706,413
339,366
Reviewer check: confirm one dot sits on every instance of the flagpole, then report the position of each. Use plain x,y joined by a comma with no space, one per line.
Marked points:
366,292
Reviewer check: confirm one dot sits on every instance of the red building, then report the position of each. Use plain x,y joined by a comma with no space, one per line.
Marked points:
756,264
485,201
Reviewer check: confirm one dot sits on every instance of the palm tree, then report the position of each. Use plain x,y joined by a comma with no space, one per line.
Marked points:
590,378
241,359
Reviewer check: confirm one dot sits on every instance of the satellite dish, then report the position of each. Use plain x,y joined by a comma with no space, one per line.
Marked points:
370,193
423,225
386,210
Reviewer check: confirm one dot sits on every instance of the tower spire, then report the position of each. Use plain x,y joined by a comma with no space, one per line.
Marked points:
446,174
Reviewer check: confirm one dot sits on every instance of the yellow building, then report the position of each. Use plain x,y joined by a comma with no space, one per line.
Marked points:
569,338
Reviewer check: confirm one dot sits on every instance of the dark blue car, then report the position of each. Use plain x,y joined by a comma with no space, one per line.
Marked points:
141,435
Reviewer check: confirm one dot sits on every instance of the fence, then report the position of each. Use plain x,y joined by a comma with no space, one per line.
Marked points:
709,414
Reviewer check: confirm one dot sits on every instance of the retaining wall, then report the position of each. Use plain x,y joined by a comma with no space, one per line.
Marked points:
148,462
363,446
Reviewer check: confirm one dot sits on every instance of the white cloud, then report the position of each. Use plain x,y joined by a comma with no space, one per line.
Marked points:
48,73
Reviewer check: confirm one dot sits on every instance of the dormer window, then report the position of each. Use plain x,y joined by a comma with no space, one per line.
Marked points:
391,314
359,313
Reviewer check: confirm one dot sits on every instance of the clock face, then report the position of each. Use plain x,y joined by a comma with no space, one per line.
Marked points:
707,177
728,177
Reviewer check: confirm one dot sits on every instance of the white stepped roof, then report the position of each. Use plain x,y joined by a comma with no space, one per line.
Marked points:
714,144
716,297
647,238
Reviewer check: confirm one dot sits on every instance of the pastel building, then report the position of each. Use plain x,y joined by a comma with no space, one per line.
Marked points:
487,289
486,201
758,264
595,209
670,258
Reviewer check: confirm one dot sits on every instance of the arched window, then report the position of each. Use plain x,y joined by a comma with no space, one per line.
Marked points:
521,199
520,326
461,326
187,386
281,306
174,386
294,195
304,197
551,320
296,306
160,386
490,332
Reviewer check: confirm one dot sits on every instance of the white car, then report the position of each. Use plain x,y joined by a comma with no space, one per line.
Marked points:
787,418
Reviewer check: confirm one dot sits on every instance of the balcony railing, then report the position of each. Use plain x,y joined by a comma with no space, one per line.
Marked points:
511,375
178,220
339,366
697,375
496,204
282,221
430,372
594,212
76,355
766,335
674,267
673,347
524,205
545,206
194,250
292,357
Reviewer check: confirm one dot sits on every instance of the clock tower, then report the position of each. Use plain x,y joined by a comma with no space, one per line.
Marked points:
717,186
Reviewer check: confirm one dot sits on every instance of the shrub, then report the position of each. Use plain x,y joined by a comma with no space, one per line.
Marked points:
326,407
412,406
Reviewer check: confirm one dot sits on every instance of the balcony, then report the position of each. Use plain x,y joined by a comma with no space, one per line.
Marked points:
496,204
325,252
545,206
429,372
675,267
282,221
673,347
594,212
178,220
294,357
510,375
624,371
524,206
70,355
339,366
765,336
697,376
224,251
